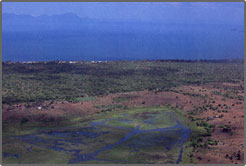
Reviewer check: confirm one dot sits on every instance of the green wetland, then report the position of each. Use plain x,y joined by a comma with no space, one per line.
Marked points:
136,135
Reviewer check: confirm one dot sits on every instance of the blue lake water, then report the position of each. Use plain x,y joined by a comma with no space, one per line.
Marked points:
172,41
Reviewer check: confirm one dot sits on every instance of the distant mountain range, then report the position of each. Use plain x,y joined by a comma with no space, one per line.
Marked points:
72,22
68,21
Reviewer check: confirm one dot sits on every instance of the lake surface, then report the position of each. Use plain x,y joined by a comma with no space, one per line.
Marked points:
109,42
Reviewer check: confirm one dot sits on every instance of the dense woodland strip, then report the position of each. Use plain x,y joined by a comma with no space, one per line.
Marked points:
23,82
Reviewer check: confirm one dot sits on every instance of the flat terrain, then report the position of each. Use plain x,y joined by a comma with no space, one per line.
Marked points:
187,120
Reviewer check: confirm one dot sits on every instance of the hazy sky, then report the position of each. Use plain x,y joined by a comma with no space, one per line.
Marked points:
208,12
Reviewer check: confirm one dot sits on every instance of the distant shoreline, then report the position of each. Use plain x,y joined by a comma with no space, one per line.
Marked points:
107,61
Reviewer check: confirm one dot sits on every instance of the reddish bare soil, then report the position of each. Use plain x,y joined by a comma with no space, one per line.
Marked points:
229,112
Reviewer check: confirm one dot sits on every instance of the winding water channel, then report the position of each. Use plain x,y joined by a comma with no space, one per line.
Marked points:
71,141
184,130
